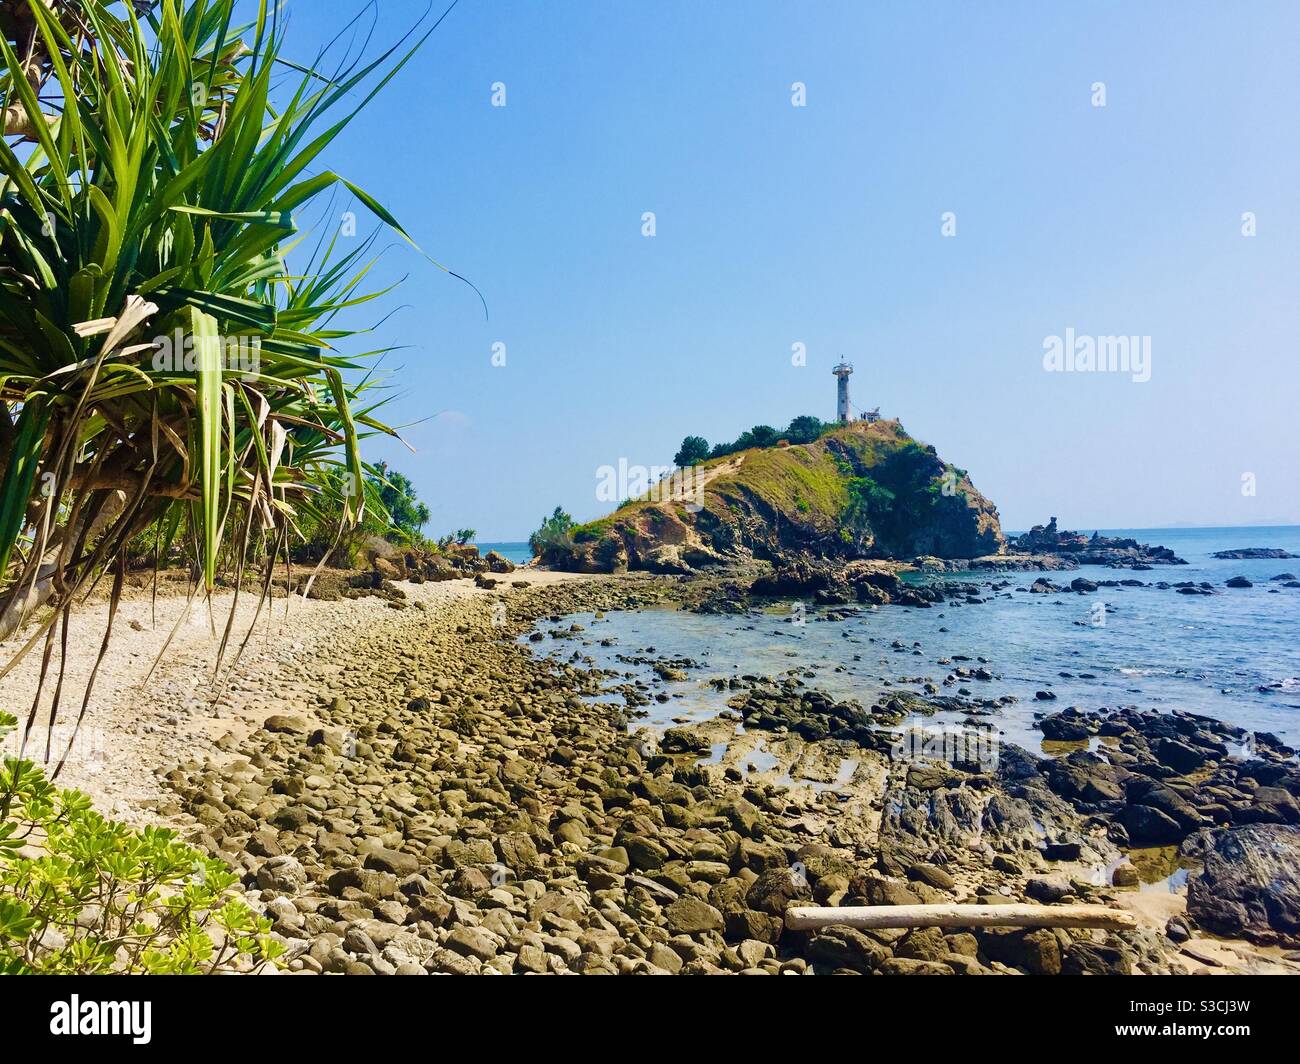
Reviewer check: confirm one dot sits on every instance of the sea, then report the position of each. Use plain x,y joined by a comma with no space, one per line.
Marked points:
1233,655
519,553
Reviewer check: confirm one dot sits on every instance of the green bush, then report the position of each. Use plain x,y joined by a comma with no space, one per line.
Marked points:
901,493
392,512
80,894
556,531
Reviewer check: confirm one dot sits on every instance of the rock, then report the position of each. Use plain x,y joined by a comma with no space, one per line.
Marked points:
684,741
1047,891
1036,951
1124,875
400,864
280,722
1249,884
1087,958
644,852
498,563
907,966
1141,790
846,947
924,943
662,956
1179,756
1061,728
472,942
532,959
291,818
365,880
749,923
775,889
691,916
1237,581
1148,826
1062,850
449,962
1041,953
357,941
284,874
933,875
753,952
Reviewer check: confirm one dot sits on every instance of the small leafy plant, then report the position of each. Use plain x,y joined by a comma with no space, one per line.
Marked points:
85,895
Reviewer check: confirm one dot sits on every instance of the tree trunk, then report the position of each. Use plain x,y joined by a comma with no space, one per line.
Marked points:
17,608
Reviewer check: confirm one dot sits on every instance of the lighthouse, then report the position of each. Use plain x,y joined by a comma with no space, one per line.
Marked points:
842,372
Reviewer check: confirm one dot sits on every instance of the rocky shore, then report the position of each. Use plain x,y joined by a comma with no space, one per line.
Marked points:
413,790
449,803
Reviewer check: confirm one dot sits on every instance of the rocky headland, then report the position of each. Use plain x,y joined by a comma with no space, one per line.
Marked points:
863,490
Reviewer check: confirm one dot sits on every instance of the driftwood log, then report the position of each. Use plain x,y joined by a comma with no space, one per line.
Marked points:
811,917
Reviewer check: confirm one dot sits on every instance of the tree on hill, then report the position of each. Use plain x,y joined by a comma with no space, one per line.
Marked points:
694,449
805,429
758,436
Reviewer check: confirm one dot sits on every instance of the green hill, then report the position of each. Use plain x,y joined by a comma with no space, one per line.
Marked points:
863,490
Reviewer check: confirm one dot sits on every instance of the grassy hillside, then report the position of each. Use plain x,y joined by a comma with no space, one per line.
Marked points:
860,491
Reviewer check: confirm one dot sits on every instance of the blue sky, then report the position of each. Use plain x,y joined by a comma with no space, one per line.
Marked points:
821,225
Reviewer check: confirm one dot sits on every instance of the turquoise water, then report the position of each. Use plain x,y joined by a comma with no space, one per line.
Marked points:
518,553
1232,655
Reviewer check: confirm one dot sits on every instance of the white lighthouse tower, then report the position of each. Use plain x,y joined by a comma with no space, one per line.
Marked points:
842,372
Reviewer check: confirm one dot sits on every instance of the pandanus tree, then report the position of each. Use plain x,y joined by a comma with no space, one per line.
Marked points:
153,163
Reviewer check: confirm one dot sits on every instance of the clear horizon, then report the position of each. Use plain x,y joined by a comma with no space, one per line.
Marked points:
823,225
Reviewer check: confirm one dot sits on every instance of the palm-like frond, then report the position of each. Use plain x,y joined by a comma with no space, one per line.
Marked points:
156,198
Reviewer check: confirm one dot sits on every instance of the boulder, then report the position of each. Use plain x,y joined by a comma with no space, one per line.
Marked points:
284,722
777,888
846,947
1148,826
1087,958
284,874
691,916
1249,884
1179,756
